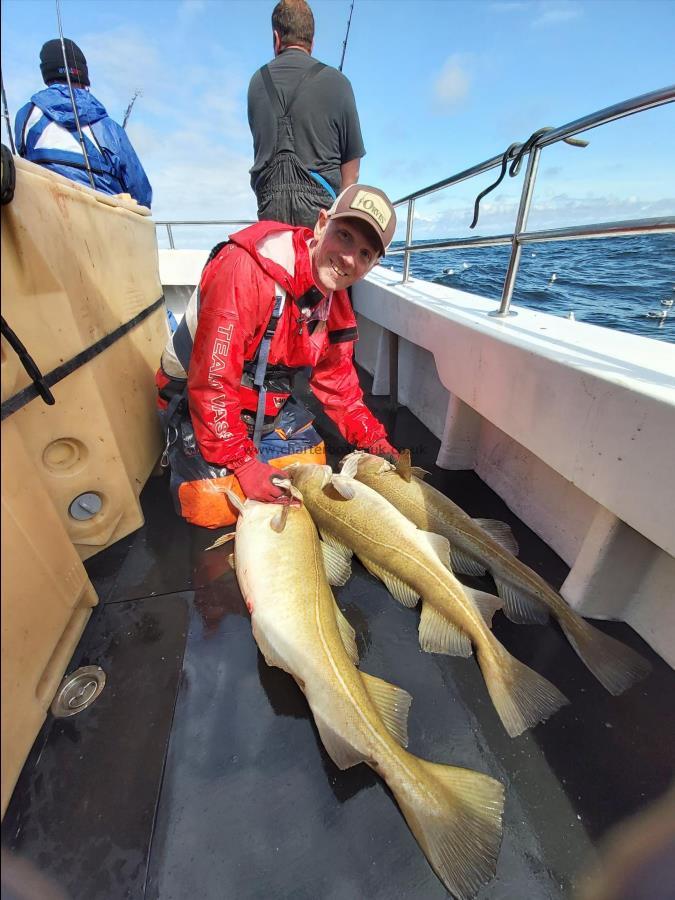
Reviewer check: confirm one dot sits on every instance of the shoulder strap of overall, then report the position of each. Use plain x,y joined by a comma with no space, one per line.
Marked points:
261,364
273,94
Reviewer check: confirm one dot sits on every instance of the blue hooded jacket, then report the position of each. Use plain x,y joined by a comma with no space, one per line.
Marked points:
46,133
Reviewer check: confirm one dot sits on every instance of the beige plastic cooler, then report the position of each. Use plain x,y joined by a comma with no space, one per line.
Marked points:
76,265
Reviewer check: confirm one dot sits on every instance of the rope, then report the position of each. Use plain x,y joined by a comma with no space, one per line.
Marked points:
517,153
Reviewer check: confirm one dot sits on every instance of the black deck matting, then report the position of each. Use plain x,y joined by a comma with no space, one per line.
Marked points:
250,804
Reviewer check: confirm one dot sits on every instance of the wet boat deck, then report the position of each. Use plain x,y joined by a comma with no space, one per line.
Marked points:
198,773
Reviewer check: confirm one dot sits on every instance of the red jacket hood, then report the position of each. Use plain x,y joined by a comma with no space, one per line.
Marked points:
302,279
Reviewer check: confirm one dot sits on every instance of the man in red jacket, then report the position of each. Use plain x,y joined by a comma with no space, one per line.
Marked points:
271,301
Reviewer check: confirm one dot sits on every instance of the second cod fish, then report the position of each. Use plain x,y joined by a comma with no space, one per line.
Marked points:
415,564
527,597
455,814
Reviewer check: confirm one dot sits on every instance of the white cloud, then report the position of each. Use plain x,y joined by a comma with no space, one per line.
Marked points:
452,83
556,12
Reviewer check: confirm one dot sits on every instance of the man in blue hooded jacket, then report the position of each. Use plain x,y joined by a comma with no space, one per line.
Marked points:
46,130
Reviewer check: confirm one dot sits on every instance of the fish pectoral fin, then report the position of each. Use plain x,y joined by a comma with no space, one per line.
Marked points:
501,533
278,521
487,604
336,544
465,565
398,589
392,704
344,486
350,464
223,539
419,473
439,635
340,751
348,635
235,500
338,567
519,607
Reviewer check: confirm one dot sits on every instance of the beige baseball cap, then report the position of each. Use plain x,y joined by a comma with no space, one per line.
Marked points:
370,205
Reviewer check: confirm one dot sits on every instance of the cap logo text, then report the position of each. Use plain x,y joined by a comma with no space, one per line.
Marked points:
374,206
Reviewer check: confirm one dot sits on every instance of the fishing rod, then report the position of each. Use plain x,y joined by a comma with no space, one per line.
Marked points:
5,115
72,97
344,46
137,93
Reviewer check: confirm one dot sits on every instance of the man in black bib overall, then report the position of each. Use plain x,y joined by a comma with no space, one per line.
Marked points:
306,133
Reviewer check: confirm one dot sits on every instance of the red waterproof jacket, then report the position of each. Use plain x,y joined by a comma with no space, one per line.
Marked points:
237,297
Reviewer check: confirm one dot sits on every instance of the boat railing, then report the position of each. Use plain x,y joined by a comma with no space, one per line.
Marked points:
169,223
519,236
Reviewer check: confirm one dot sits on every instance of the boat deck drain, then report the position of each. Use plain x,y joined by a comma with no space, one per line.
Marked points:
77,691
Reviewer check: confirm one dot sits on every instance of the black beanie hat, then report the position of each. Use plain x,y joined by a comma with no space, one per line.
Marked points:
51,62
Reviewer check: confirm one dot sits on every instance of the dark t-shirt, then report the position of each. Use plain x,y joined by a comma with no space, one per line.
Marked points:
325,122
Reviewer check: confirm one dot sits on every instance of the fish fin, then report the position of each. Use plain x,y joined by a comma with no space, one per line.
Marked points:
615,665
403,465
343,486
338,566
223,539
460,828
519,607
350,465
419,473
520,695
440,546
398,589
392,703
278,521
235,500
340,751
501,533
487,604
348,635
336,544
463,564
439,635
270,655
232,562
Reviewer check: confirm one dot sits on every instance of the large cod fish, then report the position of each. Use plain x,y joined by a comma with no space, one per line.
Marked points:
413,564
454,813
477,545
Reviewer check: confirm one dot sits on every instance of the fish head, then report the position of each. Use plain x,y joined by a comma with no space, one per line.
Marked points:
364,463
309,476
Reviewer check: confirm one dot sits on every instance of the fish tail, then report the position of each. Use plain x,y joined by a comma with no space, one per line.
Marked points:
520,695
456,817
615,665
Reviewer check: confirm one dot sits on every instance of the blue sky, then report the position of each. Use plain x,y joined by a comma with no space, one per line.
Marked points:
440,85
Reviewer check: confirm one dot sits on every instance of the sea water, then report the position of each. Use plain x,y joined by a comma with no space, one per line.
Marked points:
613,282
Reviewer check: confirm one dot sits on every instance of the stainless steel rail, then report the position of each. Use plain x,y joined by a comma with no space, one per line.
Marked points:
169,222
520,236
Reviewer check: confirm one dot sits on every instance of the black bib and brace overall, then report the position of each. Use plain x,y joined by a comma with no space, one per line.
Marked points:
286,190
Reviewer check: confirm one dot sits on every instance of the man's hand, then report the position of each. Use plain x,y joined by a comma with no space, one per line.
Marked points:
255,478
384,449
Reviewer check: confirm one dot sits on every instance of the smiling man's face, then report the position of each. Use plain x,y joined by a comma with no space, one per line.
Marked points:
344,251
